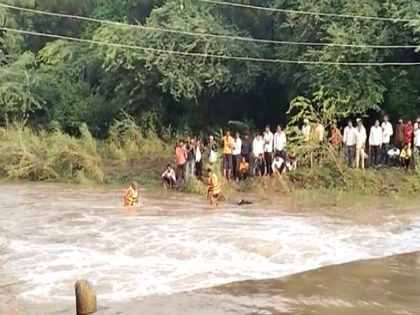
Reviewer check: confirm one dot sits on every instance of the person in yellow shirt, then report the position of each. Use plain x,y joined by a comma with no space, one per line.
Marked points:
213,187
131,197
243,169
405,156
227,144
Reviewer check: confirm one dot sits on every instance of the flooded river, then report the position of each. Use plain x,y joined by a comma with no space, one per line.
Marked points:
175,256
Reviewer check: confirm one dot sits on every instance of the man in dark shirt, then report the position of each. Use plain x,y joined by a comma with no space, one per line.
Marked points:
400,129
191,157
246,147
260,168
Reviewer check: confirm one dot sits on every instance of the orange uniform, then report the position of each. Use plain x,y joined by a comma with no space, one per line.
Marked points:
213,185
131,197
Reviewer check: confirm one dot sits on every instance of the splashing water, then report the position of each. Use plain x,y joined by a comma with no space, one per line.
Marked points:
57,235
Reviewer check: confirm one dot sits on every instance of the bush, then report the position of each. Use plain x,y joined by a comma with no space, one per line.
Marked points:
127,142
27,154
55,156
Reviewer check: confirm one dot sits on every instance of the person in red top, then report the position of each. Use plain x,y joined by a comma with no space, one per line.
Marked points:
409,133
181,160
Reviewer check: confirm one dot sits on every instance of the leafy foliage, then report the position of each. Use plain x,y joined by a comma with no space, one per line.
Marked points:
43,80
321,108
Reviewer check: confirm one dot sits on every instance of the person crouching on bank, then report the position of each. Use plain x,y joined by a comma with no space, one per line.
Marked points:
169,177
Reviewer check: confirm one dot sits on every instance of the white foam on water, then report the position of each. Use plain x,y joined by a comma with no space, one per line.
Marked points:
128,257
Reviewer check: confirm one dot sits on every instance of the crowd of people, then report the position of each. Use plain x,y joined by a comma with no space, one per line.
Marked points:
266,154
383,147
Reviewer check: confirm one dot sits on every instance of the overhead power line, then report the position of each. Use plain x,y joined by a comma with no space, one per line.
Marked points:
200,34
348,16
203,55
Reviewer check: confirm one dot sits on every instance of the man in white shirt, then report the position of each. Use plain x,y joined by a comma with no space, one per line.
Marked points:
349,140
416,137
360,144
257,146
198,159
280,142
375,143
268,146
416,123
306,130
417,140
236,152
168,177
319,131
387,132
278,166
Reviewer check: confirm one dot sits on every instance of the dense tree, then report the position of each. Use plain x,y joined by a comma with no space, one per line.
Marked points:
46,79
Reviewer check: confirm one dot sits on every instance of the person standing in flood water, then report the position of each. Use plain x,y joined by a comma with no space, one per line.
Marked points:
131,196
213,187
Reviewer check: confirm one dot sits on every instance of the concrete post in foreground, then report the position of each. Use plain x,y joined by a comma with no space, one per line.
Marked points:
85,298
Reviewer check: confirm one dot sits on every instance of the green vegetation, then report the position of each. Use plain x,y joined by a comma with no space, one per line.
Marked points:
55,156
82,112
47,79
126,155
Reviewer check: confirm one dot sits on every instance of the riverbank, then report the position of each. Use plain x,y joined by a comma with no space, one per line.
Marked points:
130,155
321,181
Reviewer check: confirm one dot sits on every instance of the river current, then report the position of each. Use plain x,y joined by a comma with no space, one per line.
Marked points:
173,255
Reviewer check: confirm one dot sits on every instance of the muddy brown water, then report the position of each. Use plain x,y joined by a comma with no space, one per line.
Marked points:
173,255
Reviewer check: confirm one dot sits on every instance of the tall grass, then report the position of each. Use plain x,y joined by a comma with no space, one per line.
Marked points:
52,155
127,143
41,155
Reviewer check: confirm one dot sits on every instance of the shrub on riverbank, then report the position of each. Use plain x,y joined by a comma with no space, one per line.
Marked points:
32,155
41,155
127,144
55,156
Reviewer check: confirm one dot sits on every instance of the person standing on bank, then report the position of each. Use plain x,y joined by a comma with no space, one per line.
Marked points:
227,144
268,147
360,144
212,150
375,143
237,147
198,159
387,133
417,141
191,146
257,147
280,142
349,140
400,134
306,130
336,138
181,160
246,148
409,133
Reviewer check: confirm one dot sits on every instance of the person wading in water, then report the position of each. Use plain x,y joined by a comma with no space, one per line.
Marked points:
213,188
131,196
